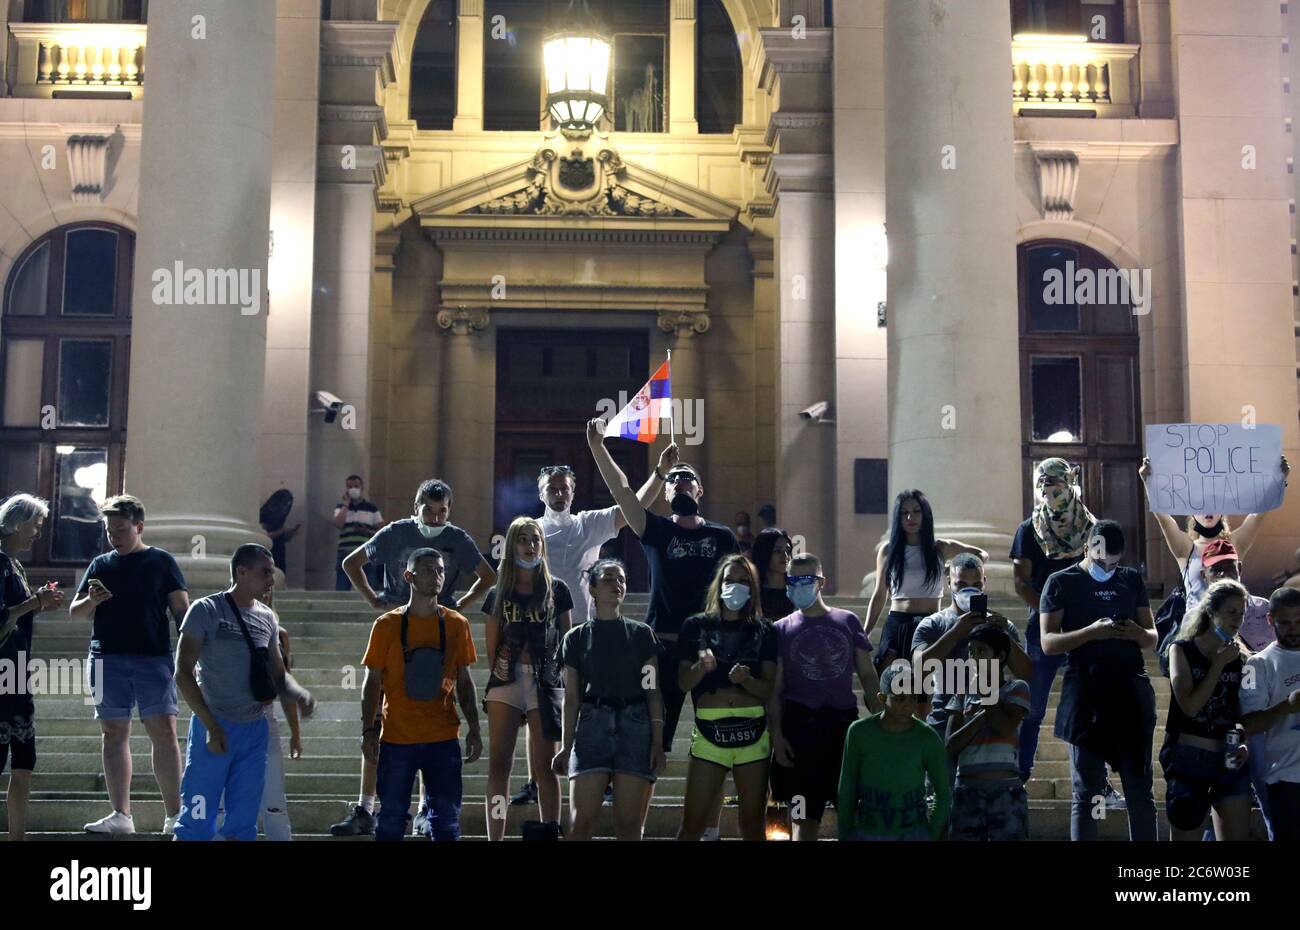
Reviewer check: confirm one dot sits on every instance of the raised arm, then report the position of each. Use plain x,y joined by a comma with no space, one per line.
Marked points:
1245,535
631,509
1175,539
948,548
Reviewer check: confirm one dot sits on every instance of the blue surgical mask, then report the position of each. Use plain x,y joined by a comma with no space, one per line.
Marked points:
1221,633
429,532
735,594
802,595
528,563
1098,573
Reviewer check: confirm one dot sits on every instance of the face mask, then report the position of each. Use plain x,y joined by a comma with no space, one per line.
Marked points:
742,529
354,493
1221,633
735,594
962,598
429,532
1057,497
1098,573
1209,532
558,516
685,506
801,595
528,563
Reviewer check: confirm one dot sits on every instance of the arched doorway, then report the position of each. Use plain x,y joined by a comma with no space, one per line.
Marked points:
65,339
1079,383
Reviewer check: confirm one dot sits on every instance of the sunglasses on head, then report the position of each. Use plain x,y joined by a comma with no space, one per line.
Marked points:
552,470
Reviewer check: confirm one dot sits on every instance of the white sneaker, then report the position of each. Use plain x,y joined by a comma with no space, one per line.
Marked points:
116,822
169,825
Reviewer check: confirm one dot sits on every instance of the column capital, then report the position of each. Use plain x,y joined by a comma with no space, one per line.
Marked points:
462,321
470,8
684,324
683,9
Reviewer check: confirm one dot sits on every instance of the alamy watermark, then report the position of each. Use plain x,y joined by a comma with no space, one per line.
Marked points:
208,287
22,675
687,416
1098,286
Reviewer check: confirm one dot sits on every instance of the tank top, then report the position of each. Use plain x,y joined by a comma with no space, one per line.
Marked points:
1193,583
913,581
1221,712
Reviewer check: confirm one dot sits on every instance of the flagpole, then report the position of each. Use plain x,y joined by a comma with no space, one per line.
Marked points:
672,423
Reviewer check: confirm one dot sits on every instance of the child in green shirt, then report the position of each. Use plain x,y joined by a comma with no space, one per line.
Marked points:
887,758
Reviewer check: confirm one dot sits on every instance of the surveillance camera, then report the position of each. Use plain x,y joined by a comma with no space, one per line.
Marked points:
817,412
329,405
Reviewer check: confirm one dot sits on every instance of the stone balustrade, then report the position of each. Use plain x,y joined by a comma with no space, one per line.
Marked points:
1068,72
77,56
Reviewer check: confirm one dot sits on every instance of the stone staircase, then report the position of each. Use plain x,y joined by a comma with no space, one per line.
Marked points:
329,633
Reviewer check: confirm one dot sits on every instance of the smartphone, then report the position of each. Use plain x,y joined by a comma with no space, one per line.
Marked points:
979,604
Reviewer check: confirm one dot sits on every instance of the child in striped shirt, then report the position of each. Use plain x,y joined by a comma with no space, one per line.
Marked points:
989,800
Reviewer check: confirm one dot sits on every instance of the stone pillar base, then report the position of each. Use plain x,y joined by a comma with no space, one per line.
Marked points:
202,546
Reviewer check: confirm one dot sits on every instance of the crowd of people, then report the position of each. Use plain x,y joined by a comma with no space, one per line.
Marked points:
954,693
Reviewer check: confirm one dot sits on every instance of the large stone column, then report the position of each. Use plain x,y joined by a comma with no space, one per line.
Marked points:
796,72
357,63
197,369
467,432
953,336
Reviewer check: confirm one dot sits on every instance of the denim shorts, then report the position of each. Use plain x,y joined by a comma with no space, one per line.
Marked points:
612,740
130,680
1196,779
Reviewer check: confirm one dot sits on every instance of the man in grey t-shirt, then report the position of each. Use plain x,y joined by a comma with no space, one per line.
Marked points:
222,636
943,636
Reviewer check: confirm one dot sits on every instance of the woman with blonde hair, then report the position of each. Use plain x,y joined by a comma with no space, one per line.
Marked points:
21,517
728,664
1186,544
1205,669
528,613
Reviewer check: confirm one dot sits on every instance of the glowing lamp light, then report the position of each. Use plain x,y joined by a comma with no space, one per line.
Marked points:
577,77
1062,436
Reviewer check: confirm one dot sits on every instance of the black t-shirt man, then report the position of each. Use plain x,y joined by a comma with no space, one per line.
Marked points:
682,565
1026,546
134,621
1107,702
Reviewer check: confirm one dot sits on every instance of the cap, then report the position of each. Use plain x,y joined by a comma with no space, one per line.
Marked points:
1218,550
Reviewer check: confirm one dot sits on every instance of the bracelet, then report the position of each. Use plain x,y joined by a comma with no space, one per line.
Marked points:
659,476
369,730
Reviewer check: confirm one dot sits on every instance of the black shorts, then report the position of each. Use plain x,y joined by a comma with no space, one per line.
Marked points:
896,638
18,737
1195,780
816,739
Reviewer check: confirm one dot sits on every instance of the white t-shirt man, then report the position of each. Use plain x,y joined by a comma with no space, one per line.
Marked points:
1277,674
573,545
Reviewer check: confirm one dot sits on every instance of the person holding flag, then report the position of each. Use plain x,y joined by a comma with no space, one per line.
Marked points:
683,552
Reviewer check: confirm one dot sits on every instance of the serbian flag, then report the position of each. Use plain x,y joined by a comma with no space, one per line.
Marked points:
639,420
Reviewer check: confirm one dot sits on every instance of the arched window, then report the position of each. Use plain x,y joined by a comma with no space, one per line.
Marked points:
1079,376
718,97
433,67
1099,20
86,11
64,353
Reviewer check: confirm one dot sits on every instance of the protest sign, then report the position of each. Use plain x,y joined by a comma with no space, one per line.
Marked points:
1210,468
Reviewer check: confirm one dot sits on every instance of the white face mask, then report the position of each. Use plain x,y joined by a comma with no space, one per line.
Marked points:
735,594
962,598
427,531
354,493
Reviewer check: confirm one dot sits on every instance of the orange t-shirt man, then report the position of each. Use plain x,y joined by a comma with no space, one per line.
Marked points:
407,721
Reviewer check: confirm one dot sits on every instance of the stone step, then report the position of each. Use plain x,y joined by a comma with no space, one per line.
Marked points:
55,820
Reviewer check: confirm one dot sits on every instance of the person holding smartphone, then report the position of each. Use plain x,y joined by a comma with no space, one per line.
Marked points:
1096,613
944,635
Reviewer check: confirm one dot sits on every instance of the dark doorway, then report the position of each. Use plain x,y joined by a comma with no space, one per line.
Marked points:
549,383
1079,395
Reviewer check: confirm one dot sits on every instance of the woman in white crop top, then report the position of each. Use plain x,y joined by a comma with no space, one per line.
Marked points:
1186,544
913,579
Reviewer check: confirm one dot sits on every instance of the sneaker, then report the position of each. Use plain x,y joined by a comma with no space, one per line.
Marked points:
116,823
1114,800
169,825
525,795
731,800
420,827
609,794
361,823
711,835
